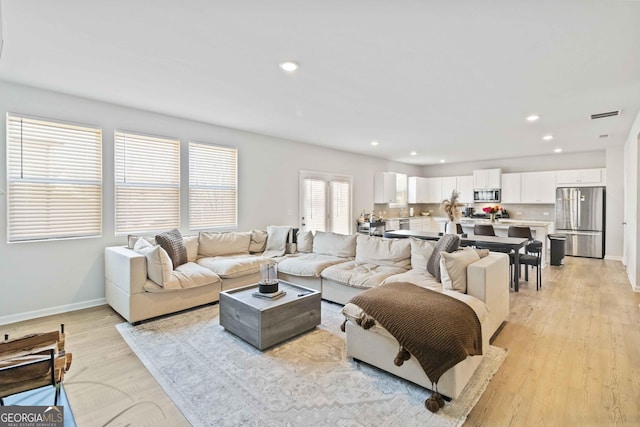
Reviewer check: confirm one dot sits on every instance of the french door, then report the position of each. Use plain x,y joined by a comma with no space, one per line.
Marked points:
325,202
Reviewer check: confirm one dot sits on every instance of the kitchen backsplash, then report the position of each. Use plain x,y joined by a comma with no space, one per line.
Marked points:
516,211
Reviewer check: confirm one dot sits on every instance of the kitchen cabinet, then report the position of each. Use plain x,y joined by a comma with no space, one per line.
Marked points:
487,178
449,183
464,185
391,188
511,192
434,190
417,191
415,224
580,177
538,187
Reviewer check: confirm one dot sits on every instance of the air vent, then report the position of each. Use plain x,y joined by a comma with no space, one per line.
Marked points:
604,135
607,114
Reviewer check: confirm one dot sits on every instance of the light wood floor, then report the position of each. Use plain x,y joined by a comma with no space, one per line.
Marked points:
574,358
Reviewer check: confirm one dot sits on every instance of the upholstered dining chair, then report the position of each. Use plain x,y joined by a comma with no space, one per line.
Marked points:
483,230
533,253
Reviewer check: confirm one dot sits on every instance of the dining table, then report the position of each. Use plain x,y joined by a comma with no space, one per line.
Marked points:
496,243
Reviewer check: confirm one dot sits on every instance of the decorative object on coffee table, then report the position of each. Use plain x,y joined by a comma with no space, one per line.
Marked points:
451,207
268,278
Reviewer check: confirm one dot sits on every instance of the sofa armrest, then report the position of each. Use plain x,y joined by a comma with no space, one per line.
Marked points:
125,268
488,278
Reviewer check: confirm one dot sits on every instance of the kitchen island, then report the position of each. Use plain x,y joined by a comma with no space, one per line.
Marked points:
539,229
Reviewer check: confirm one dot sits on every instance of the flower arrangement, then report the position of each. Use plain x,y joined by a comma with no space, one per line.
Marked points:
492,209
450,206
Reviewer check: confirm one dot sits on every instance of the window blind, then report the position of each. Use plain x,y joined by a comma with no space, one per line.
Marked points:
315,205
147,175
55,180
213,186
340,207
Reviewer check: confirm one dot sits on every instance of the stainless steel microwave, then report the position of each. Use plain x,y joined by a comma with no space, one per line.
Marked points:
486,195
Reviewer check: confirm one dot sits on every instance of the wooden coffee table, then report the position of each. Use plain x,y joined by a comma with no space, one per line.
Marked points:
264,323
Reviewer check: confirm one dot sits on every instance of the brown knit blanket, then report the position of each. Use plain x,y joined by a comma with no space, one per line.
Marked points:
438,330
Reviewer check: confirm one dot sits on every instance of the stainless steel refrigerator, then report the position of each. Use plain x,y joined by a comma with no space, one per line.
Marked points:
580,216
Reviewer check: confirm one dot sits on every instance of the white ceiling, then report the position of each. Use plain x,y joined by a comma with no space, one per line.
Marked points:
452,80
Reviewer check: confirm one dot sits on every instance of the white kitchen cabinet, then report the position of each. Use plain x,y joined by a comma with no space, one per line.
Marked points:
392,224
449,183
391,188
511,191
580,177
415,224
487,178
434,190
464,185
418,191
538,187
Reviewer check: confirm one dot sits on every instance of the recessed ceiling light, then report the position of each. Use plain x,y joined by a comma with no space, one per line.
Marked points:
533,118
558,150
289,66
374,143
414,153
442,161
547,137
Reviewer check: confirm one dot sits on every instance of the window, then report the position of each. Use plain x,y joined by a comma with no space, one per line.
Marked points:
55,180
213,186
325,202
147,172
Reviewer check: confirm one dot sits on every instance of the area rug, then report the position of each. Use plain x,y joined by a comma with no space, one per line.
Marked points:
215,378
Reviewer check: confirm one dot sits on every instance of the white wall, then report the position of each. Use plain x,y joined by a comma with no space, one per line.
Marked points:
46,277
631,237
615,203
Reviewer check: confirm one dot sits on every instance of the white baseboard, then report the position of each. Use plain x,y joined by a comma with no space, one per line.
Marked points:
613,258
12,318
633,284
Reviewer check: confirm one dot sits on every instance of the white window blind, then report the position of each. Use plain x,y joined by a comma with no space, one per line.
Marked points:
147,170
55,180
315,205
213,186
340,207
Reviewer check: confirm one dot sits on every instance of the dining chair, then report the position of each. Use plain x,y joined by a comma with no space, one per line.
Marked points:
533,253
483,230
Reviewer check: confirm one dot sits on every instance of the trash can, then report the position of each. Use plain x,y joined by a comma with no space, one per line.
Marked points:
558,243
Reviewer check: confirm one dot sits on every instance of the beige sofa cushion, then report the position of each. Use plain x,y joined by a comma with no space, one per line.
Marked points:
421,251
358,275
159,265
305,241
258,241
132,239
277,238
229,267
389,252
185,276
340,245
418,277
453,268
191,243
308,265
217,244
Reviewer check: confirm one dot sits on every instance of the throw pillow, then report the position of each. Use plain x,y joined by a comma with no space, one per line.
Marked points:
421,251
277,237
482,252
258,241
159,266
453,268
172,242
447,243
305,241
191,243
340,245
132,239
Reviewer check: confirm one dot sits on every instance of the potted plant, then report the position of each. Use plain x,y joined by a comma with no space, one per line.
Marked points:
451,207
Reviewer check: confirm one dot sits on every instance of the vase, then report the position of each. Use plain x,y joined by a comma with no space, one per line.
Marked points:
493,217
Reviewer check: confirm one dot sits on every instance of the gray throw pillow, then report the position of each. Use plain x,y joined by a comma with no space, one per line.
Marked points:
172,242
447,243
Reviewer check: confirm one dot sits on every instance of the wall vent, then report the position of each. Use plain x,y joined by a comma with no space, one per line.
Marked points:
604,135
607,114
